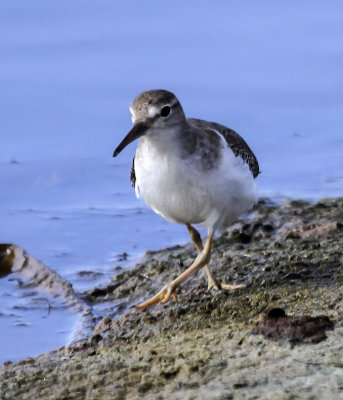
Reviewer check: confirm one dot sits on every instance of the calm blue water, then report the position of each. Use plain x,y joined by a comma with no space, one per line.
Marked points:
68,73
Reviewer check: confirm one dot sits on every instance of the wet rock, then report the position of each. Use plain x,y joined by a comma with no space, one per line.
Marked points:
276,325
6,259
122,257
32,273
38,275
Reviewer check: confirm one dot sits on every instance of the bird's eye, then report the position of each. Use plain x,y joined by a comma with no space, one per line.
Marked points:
165,111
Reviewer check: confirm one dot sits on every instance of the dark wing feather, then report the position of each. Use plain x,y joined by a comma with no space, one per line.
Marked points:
133,174
234,140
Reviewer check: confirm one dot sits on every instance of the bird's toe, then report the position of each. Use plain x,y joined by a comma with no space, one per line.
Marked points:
225,286
162,297
214,284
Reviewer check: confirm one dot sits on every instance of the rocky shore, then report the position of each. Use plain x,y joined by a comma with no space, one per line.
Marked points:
290,258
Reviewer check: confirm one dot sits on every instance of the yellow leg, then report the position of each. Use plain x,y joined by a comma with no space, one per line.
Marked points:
213,284
163,296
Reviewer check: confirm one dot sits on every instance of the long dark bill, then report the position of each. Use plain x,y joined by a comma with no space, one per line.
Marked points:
136,132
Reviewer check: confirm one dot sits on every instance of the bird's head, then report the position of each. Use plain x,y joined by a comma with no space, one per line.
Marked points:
153,112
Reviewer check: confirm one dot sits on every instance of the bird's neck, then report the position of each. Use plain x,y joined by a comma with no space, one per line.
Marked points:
173,139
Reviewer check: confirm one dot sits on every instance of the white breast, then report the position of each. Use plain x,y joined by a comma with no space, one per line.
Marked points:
180,191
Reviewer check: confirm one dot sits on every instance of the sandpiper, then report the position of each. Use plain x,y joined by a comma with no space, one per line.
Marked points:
189,171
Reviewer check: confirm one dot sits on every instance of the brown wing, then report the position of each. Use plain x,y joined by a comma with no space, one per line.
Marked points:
234,140
133,174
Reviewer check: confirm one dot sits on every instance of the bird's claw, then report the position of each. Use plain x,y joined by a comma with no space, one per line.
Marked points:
161,297
214,284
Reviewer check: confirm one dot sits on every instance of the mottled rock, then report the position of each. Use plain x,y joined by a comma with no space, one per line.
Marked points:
289,257
276,325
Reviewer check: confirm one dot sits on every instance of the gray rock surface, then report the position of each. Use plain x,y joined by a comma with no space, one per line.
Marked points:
289,257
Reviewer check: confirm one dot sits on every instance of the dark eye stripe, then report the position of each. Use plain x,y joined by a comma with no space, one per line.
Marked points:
165,111
175,105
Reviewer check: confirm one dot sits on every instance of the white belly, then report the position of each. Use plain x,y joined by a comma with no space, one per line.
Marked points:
181,191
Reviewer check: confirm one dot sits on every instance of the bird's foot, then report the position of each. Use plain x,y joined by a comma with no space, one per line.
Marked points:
214,284
161,297
225,286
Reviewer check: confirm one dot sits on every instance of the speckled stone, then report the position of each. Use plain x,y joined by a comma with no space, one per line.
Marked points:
289,257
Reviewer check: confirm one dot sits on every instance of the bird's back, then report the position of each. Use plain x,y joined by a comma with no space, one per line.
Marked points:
234,140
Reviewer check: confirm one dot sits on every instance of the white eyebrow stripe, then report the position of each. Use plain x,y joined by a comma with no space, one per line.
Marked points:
153,111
